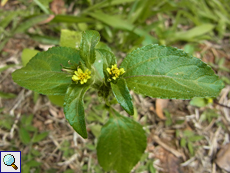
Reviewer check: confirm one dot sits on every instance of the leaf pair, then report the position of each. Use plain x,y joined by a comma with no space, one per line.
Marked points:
44,75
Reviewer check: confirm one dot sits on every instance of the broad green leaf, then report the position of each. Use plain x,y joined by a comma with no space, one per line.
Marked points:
43,72
87,47
96,129
57,100
70,38
98,64
200,102
121,144
102,45
73,39
121,92
166,72
107,58
74,109
27,54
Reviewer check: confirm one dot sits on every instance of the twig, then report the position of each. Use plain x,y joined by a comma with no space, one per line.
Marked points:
69,161
172,150
221,104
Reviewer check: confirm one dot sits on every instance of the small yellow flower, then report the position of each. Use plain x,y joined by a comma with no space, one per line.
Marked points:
81,76
115,72
210,100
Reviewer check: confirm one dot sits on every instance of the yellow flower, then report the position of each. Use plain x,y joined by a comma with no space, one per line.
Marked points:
81,76
115,72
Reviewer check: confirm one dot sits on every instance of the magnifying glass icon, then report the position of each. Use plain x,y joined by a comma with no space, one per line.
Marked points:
9,160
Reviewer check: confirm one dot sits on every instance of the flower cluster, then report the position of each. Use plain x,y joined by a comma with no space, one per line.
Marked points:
81,76
115,72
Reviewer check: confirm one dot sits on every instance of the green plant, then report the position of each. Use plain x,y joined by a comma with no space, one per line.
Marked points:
28,136
153,70
25,130
188,137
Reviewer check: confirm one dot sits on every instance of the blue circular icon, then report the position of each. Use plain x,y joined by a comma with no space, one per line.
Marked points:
8,159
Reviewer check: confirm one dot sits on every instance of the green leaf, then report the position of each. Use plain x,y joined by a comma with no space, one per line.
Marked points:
26,120
108,59
57,100
70,38
117,22
121,92
166,72
188,133
102,45
190,148
121,144
183,142
30,21
96,129
40,136
27,55
43,72
24,136
35,152
6,121
98,66
42,6
194,32
195,138
8,18
200,102
87,46
33,163
7,95
44,39
70,19
106,4
74,109
6,67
